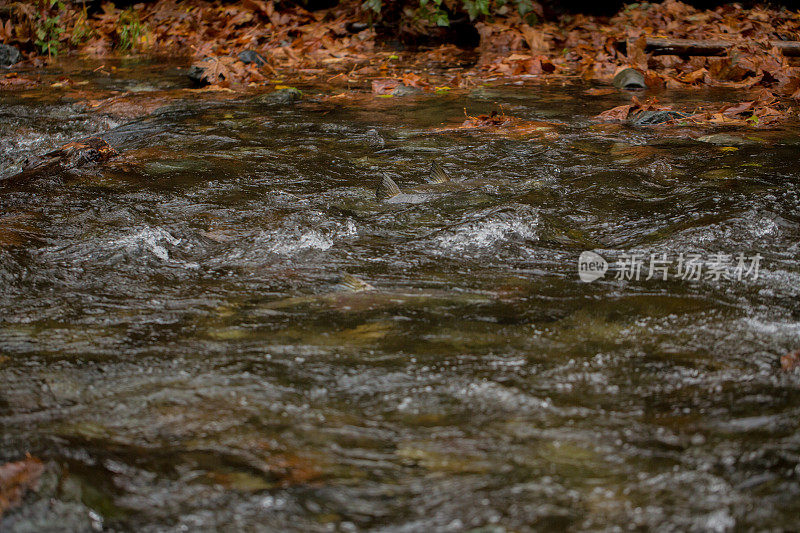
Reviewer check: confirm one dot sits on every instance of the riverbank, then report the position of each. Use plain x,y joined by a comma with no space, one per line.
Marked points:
254,46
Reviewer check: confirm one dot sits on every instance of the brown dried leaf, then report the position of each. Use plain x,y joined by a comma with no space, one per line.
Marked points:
595,91
16,479
790,361
385,86
13,81
739,109
221,68
414,80
536,39
693,77
616,114
502,124
636,54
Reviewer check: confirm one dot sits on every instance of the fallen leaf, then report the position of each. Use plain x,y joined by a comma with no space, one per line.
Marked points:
384,86
693,77
599,92
738,109
414,80
502,124
536,39
790,361
636,55
16,479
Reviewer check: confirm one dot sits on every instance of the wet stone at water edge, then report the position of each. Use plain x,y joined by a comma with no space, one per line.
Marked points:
9,55
629,79
251,56
284,96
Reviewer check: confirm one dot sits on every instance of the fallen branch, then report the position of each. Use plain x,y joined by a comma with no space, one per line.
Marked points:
690,47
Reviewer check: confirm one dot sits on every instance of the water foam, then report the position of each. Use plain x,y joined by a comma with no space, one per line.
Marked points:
491,231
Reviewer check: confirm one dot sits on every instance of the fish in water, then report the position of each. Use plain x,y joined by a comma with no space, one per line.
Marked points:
388,191
355,295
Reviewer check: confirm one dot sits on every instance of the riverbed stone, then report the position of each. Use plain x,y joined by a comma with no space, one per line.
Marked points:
655,117
251,56
197,75
629,79
283,96
406,90
9,55
726,139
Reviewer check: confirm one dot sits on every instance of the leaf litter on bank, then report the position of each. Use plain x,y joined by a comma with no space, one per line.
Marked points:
290,41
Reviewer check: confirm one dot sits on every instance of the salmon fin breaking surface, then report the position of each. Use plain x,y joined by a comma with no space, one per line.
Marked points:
437,174
352,283
387,188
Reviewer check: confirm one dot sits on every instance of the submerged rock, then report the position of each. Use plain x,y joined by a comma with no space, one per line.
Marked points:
629,79
405,90
18,229
285,96
357,27
70,156
653,118
197,74
374,139
726,139
8,55
724,173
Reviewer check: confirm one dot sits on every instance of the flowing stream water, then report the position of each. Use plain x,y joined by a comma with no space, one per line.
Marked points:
178,346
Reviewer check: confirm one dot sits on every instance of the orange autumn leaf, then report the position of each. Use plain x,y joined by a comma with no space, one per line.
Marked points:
385,86
790,361
636,54
616,114
594,91
414,80
501,124
738,108
16,479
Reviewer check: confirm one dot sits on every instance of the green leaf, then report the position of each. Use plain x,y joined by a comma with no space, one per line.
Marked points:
524,6
476,7
374,5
